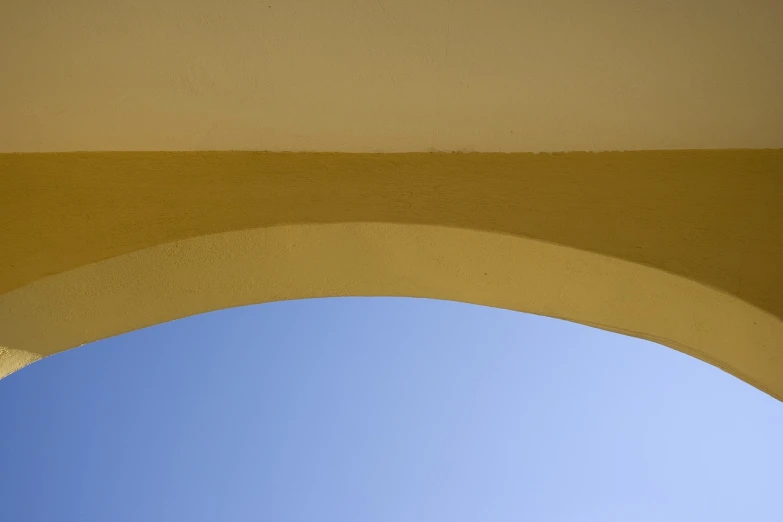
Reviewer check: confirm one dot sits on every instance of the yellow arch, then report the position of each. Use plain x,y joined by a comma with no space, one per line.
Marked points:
681,247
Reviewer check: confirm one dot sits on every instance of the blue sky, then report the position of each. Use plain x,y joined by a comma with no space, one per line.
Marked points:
380,409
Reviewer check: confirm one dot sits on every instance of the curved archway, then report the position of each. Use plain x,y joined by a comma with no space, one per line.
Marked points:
679,247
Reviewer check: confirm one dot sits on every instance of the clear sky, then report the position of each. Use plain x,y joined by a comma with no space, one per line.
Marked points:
384,410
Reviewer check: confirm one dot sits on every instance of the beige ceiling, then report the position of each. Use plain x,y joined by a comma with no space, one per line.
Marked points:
390,75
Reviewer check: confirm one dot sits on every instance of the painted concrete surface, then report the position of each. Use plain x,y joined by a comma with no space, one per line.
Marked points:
680,247
390,75
198,275
13,360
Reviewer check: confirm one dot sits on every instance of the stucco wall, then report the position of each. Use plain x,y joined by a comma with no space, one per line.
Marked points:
680,246
390,75
683,248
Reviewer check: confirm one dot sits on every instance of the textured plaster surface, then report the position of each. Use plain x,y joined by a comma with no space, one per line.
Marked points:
390,75
198,275
12,360
681,247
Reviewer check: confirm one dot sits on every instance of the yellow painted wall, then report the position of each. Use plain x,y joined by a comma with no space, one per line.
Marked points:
390,75
680,247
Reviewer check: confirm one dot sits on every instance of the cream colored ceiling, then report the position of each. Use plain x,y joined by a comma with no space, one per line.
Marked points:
390,75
